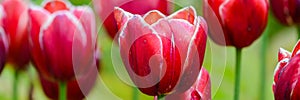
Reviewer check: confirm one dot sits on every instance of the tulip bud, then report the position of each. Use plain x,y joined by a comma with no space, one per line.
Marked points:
236,22
105,9
201,90
286,75
161,53
15,24
286,11
63,39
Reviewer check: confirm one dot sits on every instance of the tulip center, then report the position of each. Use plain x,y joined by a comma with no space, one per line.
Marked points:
55,5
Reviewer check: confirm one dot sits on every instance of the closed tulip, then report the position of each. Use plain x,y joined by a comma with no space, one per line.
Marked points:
286,11
61,37
286,75
15,24
162,54
236,23
105,9
201,90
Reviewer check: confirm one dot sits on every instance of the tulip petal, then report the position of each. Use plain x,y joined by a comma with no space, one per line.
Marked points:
212,16
279,69
86,17
57,43
121,16
282,54
200,90
160,61
153,16
55,5
287,82
296,49
3,48
38,17
132,30
187,13
15,24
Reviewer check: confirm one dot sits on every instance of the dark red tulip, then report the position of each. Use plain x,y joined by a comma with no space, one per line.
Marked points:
236,22
286,85
77,89
201,90
63,39
161,52
15,24
3,42
105,8
286,11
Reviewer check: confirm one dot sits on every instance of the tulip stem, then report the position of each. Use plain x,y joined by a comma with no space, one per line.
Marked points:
237,73
135,93
15,85
263,66
159,97
62,90
298,31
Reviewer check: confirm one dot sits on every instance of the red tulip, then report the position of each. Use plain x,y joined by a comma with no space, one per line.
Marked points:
105,9
201,90
161,52
63,39
15,24
286,11
236,22
76,89
286,76
3,42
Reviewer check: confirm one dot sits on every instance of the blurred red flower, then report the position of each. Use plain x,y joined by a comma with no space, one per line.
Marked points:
105,8
15,24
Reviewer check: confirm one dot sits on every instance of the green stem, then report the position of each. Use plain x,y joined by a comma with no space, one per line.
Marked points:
62,90
263,66
237,73
135,93
298,31
161,97
15,85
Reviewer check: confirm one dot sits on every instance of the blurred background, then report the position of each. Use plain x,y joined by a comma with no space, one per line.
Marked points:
219,61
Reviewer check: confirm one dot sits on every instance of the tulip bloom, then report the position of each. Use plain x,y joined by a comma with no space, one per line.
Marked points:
236,22
286,11
15,24
161,53
201,90
105,9
286,75
3,42
63,39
